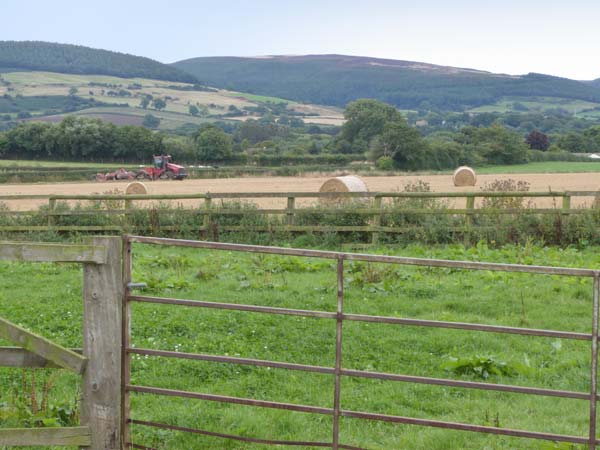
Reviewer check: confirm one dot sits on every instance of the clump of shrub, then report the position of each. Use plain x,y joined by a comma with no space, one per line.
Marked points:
385,163
506,185
479,366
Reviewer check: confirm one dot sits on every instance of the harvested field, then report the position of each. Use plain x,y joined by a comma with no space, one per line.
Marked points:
439,183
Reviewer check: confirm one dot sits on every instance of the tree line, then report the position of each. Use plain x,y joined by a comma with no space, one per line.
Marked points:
373,131
77,59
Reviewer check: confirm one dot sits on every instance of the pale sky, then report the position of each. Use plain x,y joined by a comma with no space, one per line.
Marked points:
508,36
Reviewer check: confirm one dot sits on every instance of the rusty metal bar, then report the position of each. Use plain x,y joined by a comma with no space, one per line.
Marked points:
233,307
363,374
467,384
365,318
237,360
227,399
465,427
363,415
165,426
542,270
338,353
469,326
594,371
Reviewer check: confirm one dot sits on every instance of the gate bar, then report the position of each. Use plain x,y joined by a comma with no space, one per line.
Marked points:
466,427
363,415
542,270
363,374
238,438
365,318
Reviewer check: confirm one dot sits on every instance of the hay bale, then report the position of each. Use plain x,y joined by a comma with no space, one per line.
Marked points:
136,188
464,176
348,183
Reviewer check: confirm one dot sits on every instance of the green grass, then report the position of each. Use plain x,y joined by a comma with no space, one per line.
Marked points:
169,119
4,163
259,98
543,167
51,305
537,104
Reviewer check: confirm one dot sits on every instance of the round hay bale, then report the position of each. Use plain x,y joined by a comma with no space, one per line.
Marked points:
348,183
464,176
136,188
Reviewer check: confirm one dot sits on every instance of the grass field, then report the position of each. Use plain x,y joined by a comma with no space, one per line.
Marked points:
51,305
544,167
52,164
537,104
259,98
534,167
134,116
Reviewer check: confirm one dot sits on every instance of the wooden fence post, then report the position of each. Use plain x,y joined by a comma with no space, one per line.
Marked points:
376,220
470,210
207,218
291,204
566,203
51,210
102,312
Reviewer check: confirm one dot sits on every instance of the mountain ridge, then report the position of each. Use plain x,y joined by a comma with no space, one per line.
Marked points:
335,79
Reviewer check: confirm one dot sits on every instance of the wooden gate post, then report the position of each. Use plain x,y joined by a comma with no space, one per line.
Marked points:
102,310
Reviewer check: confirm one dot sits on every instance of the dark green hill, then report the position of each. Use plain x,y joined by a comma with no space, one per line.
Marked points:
66,58
595,83
337,80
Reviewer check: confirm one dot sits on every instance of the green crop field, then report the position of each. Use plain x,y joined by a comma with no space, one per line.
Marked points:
544,167
46,298
135,116
8,163
537,104
259,98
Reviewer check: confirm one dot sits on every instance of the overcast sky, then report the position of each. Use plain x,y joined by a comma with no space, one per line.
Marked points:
508,36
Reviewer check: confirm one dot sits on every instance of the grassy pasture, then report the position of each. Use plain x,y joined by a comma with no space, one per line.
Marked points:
543,167
537,104
534,167
51,305
258,98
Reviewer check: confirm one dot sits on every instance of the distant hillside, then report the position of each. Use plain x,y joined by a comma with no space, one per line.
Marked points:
337,79
65,58
595,83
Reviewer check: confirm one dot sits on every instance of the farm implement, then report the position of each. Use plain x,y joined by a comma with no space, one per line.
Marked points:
163,169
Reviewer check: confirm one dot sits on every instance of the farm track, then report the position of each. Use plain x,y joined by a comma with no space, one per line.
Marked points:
438,183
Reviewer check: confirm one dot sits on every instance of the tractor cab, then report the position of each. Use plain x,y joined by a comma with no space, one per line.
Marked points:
160,161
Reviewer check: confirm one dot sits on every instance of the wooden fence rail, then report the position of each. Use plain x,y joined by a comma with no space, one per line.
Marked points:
373,206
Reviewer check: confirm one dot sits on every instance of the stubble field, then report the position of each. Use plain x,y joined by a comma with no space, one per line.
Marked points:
439,183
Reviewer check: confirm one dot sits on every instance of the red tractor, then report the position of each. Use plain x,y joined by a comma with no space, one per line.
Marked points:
163,169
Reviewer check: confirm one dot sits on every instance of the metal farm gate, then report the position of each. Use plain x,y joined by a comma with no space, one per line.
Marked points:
338,371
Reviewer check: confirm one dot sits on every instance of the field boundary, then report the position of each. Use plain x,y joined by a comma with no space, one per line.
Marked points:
373,207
